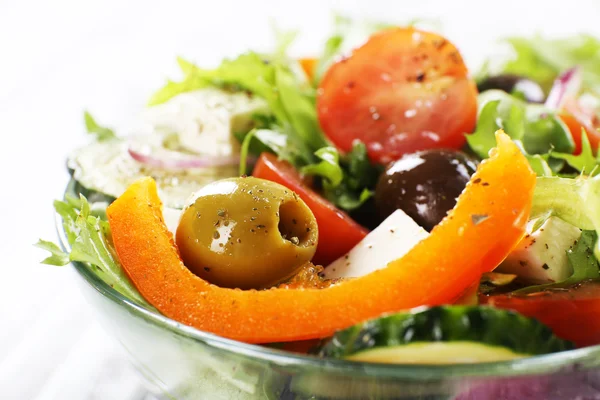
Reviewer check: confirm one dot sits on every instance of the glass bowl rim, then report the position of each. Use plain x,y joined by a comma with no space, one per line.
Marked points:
535,365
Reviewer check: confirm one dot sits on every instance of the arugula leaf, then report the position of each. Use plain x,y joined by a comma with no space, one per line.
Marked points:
102,133
57,256
585,162
537,128
582,261
543,59
90,240
329,168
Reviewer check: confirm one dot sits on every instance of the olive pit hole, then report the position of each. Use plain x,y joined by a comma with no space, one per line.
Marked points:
293,224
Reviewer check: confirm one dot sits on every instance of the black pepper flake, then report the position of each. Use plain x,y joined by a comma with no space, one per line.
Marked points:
254,209
239,240
485,184
207,269
294,221
260,226
392,231
545,266
523,263
370,246
420,77
252,230
546,246
476,181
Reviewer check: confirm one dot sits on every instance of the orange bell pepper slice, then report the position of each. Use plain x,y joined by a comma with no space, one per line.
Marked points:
309,65
487,222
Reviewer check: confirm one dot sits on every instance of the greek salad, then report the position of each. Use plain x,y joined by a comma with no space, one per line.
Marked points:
377,201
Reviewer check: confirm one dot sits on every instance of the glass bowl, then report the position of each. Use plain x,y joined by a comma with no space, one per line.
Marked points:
183,363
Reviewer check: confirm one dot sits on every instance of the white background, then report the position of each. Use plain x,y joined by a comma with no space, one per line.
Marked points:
61,57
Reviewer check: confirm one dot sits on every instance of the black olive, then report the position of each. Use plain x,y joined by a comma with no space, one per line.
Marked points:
424,185
524,88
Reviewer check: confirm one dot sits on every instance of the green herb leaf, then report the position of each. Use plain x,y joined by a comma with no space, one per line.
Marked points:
57,256
329,168
542,59
582,261
537,128
585,162
102,133
89,237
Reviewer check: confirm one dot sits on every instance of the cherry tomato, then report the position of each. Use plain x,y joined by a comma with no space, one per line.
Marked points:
404,90
572,314
338,233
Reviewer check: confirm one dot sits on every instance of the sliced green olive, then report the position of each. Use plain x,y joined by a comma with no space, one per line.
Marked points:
246,233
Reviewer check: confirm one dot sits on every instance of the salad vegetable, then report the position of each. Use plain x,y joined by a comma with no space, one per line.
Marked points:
375,200
450,334
490,213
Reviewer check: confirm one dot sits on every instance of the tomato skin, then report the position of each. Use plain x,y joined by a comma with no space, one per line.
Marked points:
573,315
338,233
404,90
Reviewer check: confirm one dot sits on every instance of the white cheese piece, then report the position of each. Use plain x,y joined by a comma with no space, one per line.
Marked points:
541,257
392,239
202,120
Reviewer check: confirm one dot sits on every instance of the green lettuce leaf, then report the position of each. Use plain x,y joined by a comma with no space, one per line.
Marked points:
57,256
90,241
102,133
542,59
538,129
584,162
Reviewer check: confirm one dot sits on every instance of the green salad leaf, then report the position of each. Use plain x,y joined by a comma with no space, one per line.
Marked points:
538,128
57,256
582,261
328,168
90,240
584,162
542,59
102,133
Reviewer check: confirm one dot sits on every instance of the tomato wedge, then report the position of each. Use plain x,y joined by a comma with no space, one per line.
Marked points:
487,222
572,314
576,118
403,90
338,233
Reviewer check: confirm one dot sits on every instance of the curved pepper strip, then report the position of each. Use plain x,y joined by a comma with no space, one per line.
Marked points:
487,222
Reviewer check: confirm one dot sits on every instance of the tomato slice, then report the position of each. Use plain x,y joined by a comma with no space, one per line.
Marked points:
573,315
403,90
338,233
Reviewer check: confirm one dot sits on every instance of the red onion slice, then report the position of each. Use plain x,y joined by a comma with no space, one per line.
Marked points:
567,84
166,159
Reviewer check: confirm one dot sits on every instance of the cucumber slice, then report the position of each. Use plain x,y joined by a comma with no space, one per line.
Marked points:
456,333
107,167
436,353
